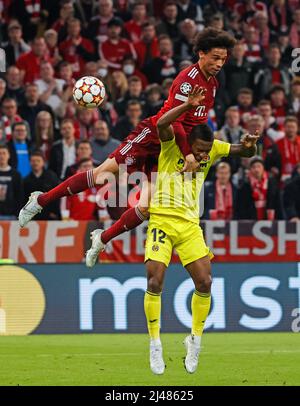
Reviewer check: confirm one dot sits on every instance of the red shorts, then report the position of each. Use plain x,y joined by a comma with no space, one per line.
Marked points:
140,150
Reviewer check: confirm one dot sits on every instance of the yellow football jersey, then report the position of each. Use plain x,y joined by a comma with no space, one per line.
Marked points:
178,194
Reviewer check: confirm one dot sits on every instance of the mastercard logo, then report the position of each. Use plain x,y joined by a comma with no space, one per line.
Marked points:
22,301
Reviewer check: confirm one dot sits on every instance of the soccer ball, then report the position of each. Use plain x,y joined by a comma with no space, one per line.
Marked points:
89,92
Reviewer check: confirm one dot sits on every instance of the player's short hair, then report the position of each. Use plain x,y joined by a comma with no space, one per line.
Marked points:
202,132
211,38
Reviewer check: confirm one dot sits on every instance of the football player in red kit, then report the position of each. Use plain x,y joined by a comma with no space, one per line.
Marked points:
140,150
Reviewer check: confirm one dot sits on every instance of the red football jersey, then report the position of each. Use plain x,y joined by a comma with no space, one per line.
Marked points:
182,85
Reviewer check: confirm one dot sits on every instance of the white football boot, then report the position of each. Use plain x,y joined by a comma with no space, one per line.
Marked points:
97,247
30,209
157,364
192,346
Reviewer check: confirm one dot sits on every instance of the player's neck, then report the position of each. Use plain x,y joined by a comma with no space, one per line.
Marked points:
205,74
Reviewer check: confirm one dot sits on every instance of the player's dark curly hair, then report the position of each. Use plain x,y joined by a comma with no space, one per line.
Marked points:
211,38
202,132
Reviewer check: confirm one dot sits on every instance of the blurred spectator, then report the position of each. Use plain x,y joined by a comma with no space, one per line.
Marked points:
238,72
271,127
260,21
253,49
29,63
278,103
51,39
97,27
133,27
63,152
220,195
147,48
86,119
76,49
130,70
19,148
247,9
291,197
102,143
169,20
184,64
245,104
32,106
214,7
9,117
83,151
44,133
295,29
118,85
2,89
280,17
91,69
294,97
43,180
234,25
135,91
108,113
66,12
165,65
258,196
85,10
216,21
115,48
50,89
66,74
273,72
154,100
127,123
166,85
285,47
184,45
83,205
289,147
188,9
15,46
14,88
11,187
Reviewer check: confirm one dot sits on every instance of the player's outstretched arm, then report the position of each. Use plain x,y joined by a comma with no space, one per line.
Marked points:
164,124
247,147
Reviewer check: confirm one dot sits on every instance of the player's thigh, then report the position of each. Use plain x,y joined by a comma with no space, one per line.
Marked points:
155,275
200,272
159,244
190,244
106,171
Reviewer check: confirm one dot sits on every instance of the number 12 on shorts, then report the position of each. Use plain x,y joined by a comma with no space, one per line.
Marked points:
158,235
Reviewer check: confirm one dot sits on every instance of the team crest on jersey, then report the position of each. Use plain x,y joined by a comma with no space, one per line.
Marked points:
180,161
185,88
129,160
155,247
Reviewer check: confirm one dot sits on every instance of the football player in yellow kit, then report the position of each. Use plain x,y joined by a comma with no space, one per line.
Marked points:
174,223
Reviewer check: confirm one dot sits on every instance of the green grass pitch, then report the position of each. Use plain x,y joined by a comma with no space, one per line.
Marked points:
122,359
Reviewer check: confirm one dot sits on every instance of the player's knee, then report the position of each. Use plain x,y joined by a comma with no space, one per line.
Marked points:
155,284
204,284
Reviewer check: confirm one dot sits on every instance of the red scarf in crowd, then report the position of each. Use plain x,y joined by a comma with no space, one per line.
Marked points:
290,154
33,7
282,24
259,194
223,201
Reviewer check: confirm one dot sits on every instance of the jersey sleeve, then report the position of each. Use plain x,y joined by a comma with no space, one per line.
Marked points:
179,92
222,149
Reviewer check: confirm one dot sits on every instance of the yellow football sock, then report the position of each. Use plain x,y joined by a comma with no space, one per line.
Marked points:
152,306
200,310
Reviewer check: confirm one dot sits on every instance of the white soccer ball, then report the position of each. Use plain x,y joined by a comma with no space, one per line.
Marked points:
89,92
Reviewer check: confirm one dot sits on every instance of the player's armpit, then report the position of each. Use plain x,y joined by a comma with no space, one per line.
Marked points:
166,133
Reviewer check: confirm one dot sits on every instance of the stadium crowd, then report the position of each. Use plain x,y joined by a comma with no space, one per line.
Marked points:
136,48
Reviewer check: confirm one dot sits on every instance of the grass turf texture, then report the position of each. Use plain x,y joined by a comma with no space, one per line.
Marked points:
122,359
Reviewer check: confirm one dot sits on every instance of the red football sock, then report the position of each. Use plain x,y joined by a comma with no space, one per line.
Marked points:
129,220
75,184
